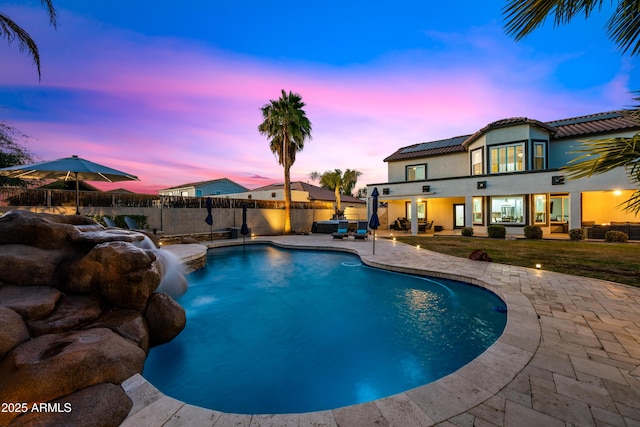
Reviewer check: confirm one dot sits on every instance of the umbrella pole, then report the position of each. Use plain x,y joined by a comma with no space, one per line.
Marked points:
77,195
374,241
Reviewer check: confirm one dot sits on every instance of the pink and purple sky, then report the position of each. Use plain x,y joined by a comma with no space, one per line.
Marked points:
172,93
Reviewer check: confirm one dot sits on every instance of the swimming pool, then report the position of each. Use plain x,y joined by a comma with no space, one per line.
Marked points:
281,331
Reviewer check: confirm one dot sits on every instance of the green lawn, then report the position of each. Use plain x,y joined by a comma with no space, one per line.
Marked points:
617,262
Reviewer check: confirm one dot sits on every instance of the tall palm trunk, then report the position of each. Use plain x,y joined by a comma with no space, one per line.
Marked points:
286,163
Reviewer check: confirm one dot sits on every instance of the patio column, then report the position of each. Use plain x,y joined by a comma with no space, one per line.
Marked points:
414,216
575,210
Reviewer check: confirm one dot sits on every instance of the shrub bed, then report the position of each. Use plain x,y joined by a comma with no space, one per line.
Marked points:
467,231
616,237
576,234
532,232
497,231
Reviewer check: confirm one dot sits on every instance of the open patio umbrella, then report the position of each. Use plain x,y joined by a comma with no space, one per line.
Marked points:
209,218
68,168
374,221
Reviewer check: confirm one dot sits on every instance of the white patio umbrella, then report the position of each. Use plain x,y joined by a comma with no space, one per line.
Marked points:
68,168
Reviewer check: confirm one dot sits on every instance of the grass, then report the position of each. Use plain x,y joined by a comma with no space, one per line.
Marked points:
616,262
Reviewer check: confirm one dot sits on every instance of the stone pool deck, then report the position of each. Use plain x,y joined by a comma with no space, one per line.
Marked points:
569,355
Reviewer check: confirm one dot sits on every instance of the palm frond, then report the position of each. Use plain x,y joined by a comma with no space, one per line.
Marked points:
603,155
13,32
525,16
624,26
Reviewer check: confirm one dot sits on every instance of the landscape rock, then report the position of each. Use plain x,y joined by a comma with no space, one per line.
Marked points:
12,332
101,405
37,230
55,365
70,312
480,255
28,265
129,324
30,302
119,271
166,318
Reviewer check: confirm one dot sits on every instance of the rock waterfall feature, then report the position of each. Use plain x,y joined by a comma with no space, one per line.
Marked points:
80,306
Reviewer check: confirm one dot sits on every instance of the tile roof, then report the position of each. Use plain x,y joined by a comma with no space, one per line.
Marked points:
591,125
315,192
200,183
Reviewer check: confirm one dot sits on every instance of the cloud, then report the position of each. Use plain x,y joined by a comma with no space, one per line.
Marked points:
173,111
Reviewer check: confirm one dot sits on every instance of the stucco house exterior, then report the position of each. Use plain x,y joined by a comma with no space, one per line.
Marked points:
509,173
204,188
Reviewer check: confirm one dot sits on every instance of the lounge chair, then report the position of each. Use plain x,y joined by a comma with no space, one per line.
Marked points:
343,230
131,223
109,222
362,231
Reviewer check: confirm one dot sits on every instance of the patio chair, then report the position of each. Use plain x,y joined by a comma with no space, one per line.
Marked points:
109,222
131,223
343,230
362,231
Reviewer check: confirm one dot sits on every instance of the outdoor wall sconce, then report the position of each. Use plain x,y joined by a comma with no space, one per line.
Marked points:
385,191
557,180
482,185
426,188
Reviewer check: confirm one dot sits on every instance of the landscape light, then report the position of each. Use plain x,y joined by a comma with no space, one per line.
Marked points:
538,266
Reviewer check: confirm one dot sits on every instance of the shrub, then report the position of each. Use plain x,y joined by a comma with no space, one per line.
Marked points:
576,234
616,236
497,231
532,232
467,231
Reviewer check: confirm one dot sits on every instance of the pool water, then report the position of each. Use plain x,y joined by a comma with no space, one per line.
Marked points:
285,331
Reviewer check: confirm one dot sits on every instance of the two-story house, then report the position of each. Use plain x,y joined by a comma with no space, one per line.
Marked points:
509,173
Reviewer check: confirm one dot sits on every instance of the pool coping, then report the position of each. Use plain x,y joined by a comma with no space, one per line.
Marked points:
426,405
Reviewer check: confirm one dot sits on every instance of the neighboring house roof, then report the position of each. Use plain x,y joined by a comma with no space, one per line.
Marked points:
315,192
203,183
120,191
591,125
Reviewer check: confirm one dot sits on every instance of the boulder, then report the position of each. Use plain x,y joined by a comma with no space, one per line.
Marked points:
30,302
166,318
101,405
12,332
37,230
55,365
129,324
28,265
70,312
480,255
119,271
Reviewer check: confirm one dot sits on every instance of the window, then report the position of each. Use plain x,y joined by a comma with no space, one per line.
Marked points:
539,209
507,210
477,211
559,208
422,210
476,162
507,158
416,172
539,157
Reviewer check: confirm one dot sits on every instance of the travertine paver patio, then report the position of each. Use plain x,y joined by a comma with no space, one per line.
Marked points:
569,356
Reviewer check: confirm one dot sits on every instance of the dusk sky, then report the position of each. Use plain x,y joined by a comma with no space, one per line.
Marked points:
171,91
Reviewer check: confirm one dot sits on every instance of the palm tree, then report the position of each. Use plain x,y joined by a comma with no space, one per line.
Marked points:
287,127
12,31
600,156
525,16
595,156
338,182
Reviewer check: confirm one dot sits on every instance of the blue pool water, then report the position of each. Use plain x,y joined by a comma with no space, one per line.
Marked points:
284,331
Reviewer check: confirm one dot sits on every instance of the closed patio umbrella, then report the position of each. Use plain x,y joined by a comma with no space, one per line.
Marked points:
209,218
68,168
374,221
244,229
